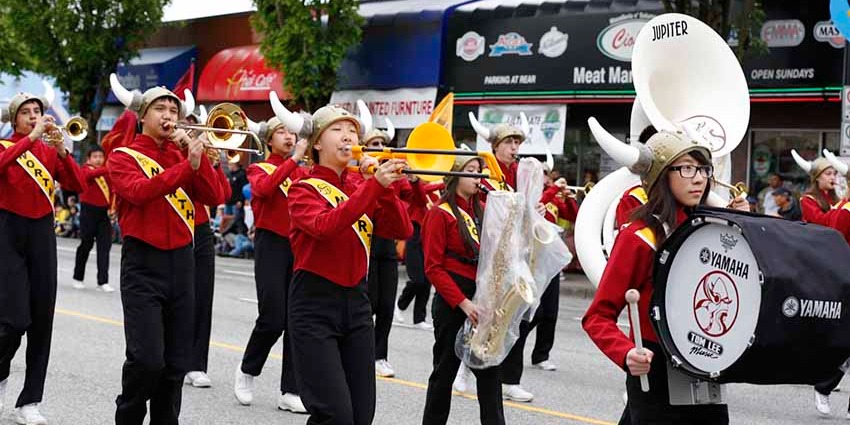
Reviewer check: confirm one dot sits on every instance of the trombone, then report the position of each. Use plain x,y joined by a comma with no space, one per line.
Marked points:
227,129
76,128
430,153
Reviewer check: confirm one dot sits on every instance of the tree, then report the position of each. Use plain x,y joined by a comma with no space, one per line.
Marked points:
741,19
307,40
80,42
14,58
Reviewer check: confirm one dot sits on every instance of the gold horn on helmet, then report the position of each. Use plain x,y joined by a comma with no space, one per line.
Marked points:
227,129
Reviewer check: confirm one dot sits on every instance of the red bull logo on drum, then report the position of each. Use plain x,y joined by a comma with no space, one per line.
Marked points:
716,303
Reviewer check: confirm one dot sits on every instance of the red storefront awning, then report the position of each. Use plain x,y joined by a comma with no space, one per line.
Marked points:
239,74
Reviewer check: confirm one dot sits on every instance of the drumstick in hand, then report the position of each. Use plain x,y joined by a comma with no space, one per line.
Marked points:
632,297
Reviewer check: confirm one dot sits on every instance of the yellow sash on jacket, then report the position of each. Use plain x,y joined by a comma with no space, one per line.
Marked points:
36,170
362,227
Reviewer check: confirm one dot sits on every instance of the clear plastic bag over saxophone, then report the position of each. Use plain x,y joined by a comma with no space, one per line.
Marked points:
507,287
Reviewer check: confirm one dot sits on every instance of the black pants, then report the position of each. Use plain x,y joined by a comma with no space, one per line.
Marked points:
27,297
204,251
333,346
382,287
272,275
447,323
654,407
545,319
417,289
158,298
94,227
830,384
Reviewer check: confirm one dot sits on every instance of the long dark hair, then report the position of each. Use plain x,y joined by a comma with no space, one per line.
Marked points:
662,206
450,197
815,192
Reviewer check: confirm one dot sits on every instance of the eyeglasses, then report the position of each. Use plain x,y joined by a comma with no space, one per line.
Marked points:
690,171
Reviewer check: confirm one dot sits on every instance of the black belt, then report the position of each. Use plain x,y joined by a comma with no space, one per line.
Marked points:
462,259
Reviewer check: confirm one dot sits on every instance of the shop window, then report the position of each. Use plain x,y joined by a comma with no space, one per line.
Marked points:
771,153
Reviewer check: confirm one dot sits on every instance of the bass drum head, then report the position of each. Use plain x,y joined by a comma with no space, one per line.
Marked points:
707,297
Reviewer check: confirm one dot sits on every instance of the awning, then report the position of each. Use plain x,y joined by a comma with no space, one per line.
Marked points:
406,108
184,10
159,66
401,46
239,74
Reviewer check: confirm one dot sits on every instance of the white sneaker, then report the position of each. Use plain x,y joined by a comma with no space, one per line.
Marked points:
29,415
425,326
106,288
847,416
464,380
397,315
822,403
3,393
198,379
291,402
77,284
546,365
516,393
243,387
383,368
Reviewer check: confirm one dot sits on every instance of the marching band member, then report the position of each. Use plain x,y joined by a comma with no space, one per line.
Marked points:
270,183
818,201
332,213
154,185
204,252
382,282
28,167
95,225
505,141
676,180
417,290
558,206
451,256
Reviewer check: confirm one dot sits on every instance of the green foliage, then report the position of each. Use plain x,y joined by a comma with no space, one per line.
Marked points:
15,57
80,42
308,51
742,18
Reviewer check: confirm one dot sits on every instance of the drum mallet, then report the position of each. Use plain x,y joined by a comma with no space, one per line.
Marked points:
632,297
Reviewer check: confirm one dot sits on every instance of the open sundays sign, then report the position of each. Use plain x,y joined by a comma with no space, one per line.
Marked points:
592,51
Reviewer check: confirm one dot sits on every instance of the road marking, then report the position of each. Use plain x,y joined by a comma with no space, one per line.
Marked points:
236,272
411,384
249,300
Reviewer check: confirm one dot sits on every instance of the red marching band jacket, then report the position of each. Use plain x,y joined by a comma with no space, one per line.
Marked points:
268,201
508,171
557,206
323,239
629,267
19,193
629,202
443,245
812,212
143,210
93,195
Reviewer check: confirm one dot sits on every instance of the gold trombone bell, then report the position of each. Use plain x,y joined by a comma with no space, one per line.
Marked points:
227,129
76,128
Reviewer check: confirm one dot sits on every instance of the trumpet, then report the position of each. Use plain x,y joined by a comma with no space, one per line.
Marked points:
227,129
584,189
430,153
737,190
76,128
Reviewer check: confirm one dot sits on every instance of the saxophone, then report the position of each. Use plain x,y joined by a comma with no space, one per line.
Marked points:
508,293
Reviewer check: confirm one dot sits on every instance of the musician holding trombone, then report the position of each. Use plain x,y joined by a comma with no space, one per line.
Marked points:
155,188
28,167
333,212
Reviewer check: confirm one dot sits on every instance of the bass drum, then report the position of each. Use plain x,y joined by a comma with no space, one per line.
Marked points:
747,298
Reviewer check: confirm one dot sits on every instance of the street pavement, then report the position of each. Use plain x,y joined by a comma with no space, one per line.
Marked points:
85,369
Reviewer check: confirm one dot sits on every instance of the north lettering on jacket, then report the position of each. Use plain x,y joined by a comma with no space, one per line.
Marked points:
725,263
669,30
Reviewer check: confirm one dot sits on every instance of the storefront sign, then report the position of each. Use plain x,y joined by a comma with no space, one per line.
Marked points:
827,32
554,43
470,46
618,39
783,33
406,108
547,123
510,44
